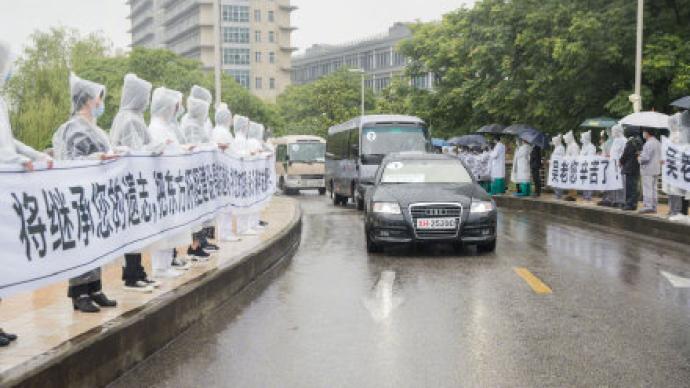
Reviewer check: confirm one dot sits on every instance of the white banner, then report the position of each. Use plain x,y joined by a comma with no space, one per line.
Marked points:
588,173
59,223
676,169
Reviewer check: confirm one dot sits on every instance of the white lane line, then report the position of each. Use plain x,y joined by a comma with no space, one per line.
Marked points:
676,281
382,302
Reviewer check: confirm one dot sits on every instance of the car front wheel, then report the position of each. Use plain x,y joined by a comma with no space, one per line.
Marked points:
372,247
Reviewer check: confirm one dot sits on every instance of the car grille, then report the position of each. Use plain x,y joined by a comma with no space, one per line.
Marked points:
436,210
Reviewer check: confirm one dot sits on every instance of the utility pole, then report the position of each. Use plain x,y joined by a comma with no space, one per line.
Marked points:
636,98
218,61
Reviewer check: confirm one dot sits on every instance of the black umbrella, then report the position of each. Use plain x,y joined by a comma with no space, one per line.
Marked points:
683,103
492,128
534,137
516,129
468,141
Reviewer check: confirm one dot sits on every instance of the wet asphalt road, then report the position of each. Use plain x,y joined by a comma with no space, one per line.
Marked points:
338,317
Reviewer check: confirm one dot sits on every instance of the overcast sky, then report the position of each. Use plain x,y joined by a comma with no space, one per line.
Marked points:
319,21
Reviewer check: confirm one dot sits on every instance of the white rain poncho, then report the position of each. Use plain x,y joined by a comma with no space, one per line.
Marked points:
521,169
255,137
674,125
239,146
221,133
192,124
80,137
558,148
619,142
164,105
203,94
588,149
12,151
175,119
129,128
572,150
498,161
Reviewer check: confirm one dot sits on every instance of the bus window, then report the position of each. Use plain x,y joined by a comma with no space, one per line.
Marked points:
382,140
307,152
281,153
354,144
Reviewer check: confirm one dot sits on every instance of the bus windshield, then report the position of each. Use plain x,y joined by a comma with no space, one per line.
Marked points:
307,152
385,140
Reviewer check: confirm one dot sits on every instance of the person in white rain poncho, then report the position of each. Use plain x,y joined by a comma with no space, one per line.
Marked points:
192,126
588,149
618,141
498,168
521,174
81,138
129,130
164,107
205,95
222,136
242,148
12,151
572,150
558,152
257,147
675,194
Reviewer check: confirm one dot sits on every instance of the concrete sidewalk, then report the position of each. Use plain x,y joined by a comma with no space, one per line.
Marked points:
50,329
654,225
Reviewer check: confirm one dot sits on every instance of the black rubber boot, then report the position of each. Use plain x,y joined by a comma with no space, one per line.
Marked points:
85,304
103,300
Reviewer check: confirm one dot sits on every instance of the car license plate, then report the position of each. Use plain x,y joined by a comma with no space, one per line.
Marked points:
436,223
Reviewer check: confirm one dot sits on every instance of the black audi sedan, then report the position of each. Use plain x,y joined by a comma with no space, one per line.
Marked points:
428,198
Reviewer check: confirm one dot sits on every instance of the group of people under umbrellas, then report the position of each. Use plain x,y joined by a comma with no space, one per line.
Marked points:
170,131
632,143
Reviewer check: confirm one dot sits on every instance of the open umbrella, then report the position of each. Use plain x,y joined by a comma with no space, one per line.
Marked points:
516,129
534,137
599,122
683,103
438,143
646,120
492,128
469,141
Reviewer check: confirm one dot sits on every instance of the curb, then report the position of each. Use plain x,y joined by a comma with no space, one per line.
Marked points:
100,356
649,226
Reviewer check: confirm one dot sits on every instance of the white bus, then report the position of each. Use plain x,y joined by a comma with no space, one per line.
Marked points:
355,149
300,163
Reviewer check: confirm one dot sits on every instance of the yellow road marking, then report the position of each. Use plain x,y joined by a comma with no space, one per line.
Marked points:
537,285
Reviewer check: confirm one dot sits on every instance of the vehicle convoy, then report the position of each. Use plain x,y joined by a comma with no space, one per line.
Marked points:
355,149
300,163
428,198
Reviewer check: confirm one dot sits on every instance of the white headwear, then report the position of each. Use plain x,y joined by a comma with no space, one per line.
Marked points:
129,128
82,91
201,93
193,124
163,110
223,116
221,133
557,141
586,138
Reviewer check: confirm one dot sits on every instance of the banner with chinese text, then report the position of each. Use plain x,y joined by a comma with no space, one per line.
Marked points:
676,169
589,173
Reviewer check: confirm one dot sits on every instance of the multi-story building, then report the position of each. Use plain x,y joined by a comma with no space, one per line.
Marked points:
255,37
376,55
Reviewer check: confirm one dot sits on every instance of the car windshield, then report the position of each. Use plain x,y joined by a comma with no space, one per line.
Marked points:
425,171
386,140
307,152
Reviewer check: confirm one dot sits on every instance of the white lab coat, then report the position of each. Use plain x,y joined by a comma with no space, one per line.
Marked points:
521,170
498,161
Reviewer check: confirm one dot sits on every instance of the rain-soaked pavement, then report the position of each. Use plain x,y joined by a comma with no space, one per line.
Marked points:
338,317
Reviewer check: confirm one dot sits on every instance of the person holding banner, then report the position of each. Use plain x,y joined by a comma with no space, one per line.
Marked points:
650,170
675,194
572,150
588,149
630,167
257,146
81,138
558,152
204,94
129,130
521,175
222,136
498,168
617,147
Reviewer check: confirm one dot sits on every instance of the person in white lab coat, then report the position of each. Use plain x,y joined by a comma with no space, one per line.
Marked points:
498,168
650,171
588,149
521,174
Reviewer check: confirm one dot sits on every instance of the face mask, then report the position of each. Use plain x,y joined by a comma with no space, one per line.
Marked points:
98,111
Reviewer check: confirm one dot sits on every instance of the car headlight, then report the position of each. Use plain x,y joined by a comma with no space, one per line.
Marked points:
481,207
387,207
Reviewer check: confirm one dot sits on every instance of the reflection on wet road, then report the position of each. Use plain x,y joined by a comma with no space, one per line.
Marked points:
434,317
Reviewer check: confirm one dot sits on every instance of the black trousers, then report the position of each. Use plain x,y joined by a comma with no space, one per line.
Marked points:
632,184
536,178
84,289
133,271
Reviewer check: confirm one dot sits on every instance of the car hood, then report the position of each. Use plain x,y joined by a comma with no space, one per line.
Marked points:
406,194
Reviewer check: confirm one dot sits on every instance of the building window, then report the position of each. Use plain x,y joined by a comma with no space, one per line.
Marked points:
258,83
257,15
272,57
257,57
235,13
235,56
235,35
271,36
241,77
272,83
257,36
271,16
398,59
420,81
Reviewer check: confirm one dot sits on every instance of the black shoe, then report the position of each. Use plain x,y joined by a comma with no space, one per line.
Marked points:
85,304
570,199
199,252
263,223
11,337
604,204
103,300
211,247
4,342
